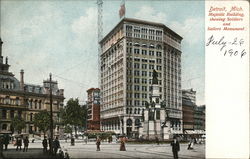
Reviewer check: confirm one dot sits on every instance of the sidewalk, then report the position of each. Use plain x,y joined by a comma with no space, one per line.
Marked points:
32,153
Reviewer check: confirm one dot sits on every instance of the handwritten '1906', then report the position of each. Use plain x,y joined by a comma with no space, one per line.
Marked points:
223,44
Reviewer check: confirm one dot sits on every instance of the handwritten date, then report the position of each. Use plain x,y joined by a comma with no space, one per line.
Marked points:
223,45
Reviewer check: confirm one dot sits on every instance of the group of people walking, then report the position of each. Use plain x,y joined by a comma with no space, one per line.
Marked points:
55,145
19,141
122,145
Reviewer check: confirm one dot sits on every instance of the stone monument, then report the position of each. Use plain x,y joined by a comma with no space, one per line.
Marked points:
155,121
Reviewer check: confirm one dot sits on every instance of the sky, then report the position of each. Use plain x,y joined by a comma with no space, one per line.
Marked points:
60,37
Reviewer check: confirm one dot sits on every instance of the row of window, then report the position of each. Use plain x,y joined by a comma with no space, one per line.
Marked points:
11,113
145,66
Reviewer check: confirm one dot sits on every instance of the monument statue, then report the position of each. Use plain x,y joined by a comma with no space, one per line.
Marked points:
155,79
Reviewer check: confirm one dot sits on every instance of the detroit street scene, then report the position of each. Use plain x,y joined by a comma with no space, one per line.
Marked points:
102,79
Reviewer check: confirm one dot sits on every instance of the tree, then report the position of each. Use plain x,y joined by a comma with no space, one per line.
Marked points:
42,121
68,130
18,124
73,114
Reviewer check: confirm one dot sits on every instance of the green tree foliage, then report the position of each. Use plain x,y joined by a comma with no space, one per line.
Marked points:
18,124
68,129
42,121
74,114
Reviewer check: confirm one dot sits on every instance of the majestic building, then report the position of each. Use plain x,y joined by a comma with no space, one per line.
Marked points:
130,53
188,105
93,109
18,98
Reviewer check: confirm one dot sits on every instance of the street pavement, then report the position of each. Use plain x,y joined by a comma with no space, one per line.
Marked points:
111,150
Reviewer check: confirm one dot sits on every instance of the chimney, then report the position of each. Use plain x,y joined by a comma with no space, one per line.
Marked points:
1,56
21,80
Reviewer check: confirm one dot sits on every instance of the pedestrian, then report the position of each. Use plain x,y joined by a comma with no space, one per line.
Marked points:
122,146
98,143
190,145
56,145
157,140
26,144
175,147
45,144
6,141
19,144
72,141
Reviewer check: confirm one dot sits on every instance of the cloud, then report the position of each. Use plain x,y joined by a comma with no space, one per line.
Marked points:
149,13
191,29
85,28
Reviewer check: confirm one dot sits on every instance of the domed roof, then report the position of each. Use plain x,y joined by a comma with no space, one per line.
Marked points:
11,79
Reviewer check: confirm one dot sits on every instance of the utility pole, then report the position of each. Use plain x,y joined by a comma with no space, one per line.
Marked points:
51,114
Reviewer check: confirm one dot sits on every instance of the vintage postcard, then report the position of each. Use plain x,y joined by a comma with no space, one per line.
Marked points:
124,79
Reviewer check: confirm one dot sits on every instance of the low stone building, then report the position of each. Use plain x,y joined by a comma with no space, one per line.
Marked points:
18,98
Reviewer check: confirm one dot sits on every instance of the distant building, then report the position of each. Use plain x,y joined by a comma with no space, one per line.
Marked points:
199,119
189,95
188,105
18,98
130,53
93,109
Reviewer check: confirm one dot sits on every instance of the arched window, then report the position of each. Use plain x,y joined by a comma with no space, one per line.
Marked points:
137,122
129,122
127,110
135,111
130,112
139,110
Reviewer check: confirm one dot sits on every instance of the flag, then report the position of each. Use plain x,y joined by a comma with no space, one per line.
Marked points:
122,10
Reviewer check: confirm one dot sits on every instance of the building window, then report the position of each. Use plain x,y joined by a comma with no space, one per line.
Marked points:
144,73
4,127
12,113
19,114
144,88
144,52
40,104
144,66
31,116
136,87
135,111
158,114
136,51
4,114
17,101
151,53
7,100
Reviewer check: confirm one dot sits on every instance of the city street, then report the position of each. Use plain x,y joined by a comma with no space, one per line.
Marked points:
111,150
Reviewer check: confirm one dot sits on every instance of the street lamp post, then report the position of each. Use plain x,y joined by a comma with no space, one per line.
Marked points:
51,115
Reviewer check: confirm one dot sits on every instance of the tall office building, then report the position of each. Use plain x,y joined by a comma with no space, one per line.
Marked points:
130,53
